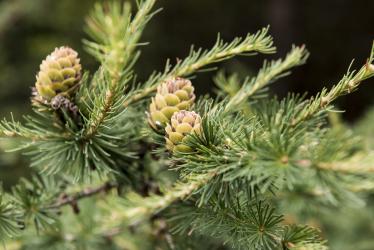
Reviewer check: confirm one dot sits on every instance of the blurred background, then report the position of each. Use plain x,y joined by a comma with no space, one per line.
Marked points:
334,31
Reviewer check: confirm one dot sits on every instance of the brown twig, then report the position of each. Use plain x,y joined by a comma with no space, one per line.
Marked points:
73,198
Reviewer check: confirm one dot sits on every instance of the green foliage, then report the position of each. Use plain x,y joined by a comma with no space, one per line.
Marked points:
8,218
30,198
253,225
254,160
242,226
270,72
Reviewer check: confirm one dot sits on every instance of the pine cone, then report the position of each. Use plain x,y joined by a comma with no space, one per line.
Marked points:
59,72
172,96
182,124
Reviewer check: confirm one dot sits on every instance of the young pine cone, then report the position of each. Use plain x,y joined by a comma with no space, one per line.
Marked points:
59,72
182,124
172,96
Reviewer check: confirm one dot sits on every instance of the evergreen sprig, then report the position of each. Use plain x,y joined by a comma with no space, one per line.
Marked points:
259,42
248,162
350,82
253,225
270,72
9,218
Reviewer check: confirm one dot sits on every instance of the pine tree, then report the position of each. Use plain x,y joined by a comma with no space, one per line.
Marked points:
124,164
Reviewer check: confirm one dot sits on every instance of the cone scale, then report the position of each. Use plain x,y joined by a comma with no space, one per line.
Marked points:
182,124
172,96
59,73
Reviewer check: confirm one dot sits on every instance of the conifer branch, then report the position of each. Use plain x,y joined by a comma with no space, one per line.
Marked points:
17,133
228,163
9,218
36,199
138,209
260,42
34,132
117,39
350,82
95,124
116,36
72,199
268,74
243,225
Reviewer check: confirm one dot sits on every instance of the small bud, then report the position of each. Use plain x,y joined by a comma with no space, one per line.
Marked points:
351,85
371,68
228,141
59,72
182,124
172,96
109,94
284,159
324,101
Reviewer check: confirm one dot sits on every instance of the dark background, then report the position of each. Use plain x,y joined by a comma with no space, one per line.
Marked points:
334,31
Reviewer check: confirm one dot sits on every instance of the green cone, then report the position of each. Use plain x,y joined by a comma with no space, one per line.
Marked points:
173,95
59,72
182,123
